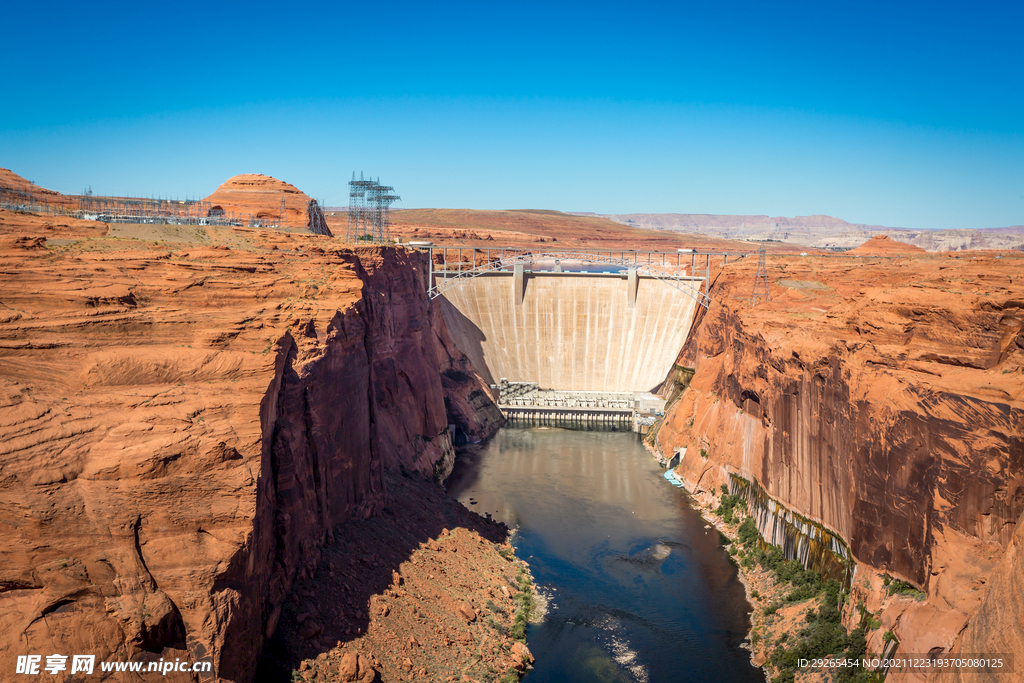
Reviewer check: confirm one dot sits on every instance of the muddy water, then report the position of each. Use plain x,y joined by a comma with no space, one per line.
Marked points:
639,588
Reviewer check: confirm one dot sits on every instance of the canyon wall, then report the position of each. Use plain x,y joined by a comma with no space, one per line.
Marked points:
998,625
183,428
881,399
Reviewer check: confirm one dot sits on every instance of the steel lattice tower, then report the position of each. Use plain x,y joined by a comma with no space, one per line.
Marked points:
369,210
761,279
316,222
356,227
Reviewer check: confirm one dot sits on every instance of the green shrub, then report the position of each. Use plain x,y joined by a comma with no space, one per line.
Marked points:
496,625
728,505
747,532
524,606
897,587
823,636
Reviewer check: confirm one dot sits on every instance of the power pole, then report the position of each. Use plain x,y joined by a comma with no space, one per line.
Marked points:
761,279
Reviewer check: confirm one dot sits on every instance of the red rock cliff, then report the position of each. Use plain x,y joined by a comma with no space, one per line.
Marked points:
881,398
183,428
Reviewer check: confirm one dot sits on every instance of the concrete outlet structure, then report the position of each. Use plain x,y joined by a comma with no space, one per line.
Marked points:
570,331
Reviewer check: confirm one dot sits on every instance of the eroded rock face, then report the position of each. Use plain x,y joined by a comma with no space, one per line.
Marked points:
881,398
183,428
254,195
996,627
391,591
470,405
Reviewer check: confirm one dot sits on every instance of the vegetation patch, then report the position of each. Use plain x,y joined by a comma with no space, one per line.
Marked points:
729,502
823,633
897,587
524,606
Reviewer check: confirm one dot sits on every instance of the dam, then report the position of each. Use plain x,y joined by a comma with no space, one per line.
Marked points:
591,333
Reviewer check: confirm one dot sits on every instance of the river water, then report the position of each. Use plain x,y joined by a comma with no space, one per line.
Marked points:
640,588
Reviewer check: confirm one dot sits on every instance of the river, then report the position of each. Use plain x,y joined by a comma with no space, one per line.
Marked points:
640,587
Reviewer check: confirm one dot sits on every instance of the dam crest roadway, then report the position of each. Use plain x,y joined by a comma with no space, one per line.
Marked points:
582,336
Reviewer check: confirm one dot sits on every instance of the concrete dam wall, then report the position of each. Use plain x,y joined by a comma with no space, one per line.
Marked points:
571,331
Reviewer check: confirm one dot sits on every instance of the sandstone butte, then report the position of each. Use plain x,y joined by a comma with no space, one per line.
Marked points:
184,427
259,196
882,398
883,245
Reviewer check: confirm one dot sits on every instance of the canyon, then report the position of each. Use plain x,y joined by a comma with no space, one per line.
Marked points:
878,401
186,427
209,429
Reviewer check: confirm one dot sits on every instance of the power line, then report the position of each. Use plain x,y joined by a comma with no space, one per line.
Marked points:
761,279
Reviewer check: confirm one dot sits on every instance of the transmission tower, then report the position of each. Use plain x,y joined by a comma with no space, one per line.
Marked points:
281,213
369,210
317,224
356,227
761,279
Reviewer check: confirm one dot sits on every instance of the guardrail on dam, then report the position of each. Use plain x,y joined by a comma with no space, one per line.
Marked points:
571,330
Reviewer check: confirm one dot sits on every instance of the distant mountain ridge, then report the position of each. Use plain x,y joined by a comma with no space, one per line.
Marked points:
825,232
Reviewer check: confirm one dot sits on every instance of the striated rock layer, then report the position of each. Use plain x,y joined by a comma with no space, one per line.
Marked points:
259,196
183,428
998,625
880,399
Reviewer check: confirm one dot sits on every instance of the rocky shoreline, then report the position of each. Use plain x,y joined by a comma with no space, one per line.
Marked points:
427,591
761,588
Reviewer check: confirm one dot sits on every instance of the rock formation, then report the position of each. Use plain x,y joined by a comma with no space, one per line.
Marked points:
881,399
883,245
376,597
183,428
11,180
471,407
259,196
996,628
16,226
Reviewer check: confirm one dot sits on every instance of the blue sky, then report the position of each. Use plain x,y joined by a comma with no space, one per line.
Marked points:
908,115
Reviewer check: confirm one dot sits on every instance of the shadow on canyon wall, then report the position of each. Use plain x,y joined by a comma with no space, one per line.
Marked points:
364,559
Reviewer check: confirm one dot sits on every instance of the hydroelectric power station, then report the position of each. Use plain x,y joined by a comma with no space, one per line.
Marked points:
570,336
